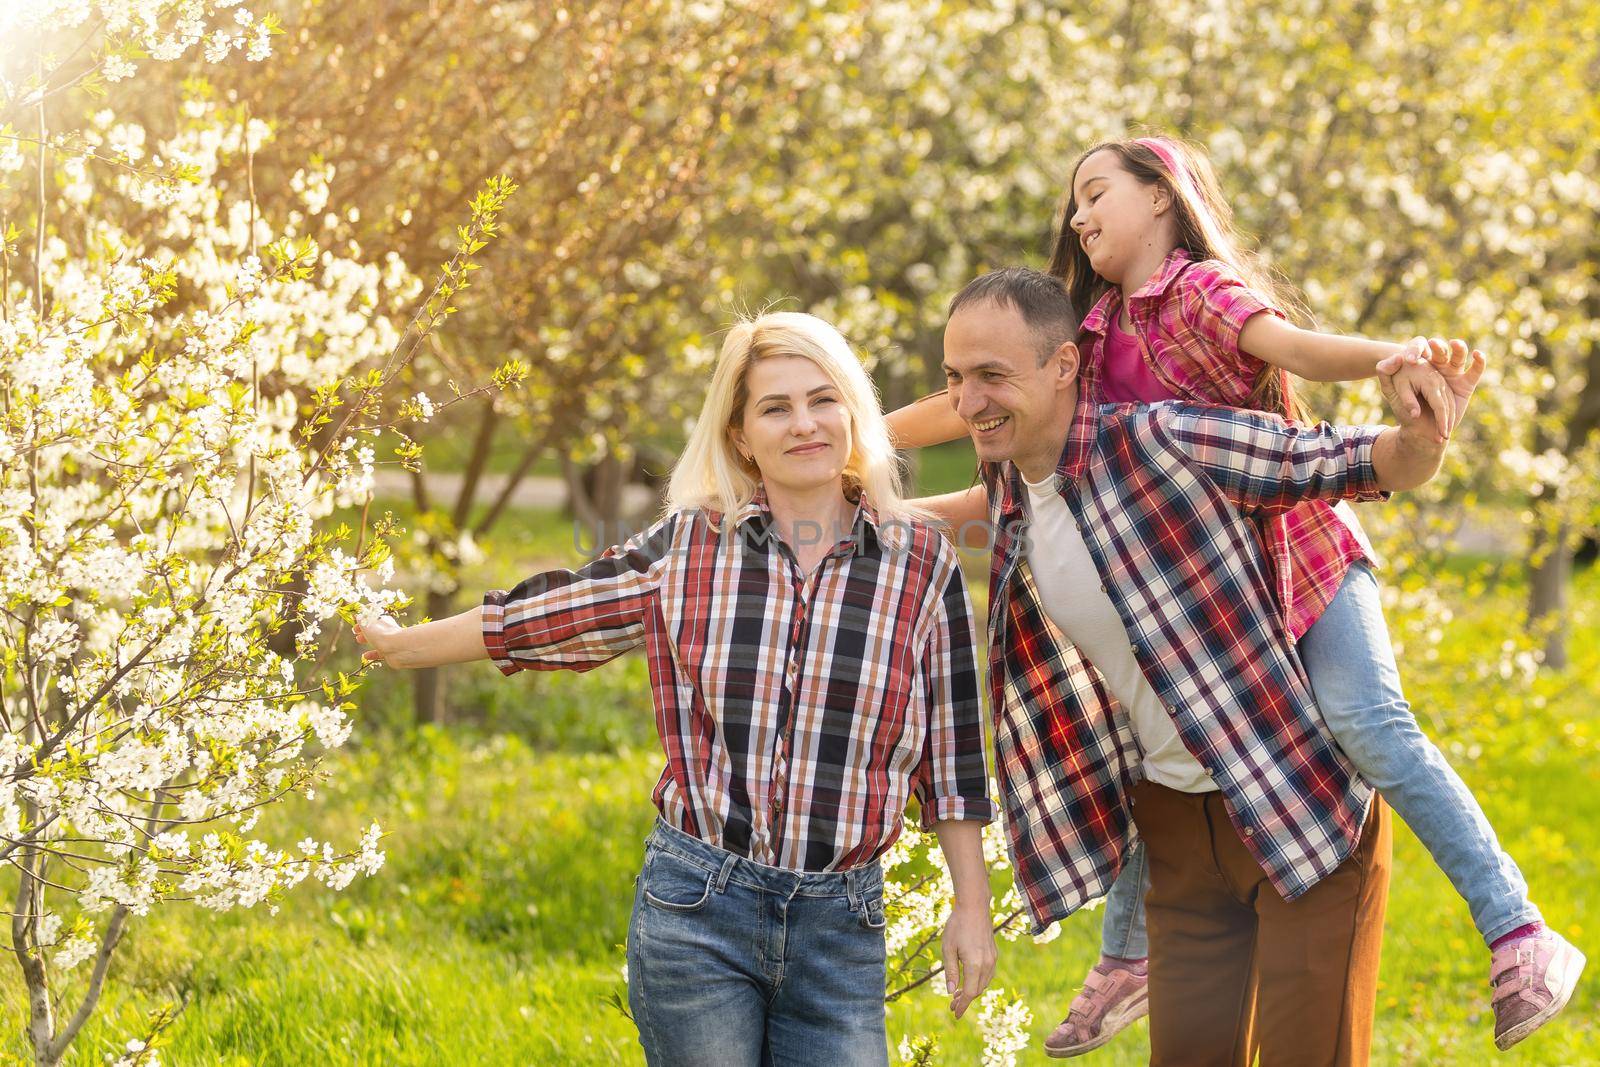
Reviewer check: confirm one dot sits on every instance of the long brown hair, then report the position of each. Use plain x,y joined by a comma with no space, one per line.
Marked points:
1205,230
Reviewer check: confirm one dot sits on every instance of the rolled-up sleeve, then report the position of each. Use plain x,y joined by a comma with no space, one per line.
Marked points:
1215,303
1265,463
579,619
952,778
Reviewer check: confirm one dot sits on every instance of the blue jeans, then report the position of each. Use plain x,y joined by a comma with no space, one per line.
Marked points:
1348,658
732,963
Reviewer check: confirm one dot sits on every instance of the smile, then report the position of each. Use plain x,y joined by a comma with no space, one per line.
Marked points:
988,425
806,450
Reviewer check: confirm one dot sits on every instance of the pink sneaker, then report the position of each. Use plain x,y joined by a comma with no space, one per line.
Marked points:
1113,996
1533,978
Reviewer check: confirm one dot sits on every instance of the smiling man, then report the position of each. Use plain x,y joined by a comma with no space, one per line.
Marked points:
1145,685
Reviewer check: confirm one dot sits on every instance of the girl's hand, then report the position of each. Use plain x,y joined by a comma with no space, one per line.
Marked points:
1450,358
381,633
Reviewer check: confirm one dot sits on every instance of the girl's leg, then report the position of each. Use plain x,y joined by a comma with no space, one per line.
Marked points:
1114,992
1122,933
1351,665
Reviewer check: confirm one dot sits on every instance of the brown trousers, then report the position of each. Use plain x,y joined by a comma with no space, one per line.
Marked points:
1235,971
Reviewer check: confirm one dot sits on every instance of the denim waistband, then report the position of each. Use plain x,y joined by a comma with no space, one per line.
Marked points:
856,883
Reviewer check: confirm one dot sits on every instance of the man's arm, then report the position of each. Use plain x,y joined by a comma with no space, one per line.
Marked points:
1264,463
929,421
966,514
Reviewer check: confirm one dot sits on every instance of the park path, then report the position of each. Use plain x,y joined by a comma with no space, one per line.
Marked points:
534,491
1480,536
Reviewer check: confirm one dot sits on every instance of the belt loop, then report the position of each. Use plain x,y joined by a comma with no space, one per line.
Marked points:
727,870
852,890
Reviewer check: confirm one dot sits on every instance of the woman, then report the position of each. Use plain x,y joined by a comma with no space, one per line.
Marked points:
811,656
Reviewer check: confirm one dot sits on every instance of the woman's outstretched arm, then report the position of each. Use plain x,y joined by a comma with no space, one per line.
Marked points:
458,639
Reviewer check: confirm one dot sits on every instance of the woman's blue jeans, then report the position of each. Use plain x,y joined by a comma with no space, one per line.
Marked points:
1351,665
732,963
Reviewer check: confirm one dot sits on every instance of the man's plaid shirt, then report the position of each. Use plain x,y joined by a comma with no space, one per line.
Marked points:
1162,495
796,713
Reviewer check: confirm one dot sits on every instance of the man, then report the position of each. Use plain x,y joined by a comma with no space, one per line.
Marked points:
1122,540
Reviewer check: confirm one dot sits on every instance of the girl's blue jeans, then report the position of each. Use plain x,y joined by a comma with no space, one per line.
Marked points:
1351,665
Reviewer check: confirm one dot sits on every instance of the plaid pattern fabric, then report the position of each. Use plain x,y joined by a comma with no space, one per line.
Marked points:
1187,318
796,715
1164,497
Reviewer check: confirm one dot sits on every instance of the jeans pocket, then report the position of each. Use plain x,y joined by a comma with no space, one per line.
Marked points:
872,916
674,884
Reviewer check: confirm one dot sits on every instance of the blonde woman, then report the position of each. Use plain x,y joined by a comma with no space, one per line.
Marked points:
812,663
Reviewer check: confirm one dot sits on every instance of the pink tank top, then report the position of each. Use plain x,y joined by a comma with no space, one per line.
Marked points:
1125,378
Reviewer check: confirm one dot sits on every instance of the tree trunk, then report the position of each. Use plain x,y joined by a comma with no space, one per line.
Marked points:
427,691
1548,579
24,928
594,495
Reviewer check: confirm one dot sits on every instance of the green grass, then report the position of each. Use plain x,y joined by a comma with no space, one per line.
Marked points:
494,933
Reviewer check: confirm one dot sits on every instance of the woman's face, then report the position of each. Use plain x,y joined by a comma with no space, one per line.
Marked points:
1116,214
794,424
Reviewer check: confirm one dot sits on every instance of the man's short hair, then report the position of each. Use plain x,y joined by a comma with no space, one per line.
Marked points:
1039,298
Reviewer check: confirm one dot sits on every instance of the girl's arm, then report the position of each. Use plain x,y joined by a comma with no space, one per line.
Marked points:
1327,357
929,421
1318,357
458,639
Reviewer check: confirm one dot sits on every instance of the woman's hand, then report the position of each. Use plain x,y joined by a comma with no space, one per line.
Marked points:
968,953
458,639
382,633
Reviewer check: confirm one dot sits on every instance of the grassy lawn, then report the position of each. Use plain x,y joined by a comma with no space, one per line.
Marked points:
494,934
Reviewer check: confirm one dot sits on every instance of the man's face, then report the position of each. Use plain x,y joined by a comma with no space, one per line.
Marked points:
1011,405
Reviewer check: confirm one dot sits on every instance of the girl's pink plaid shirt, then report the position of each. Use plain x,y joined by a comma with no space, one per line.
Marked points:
1187,319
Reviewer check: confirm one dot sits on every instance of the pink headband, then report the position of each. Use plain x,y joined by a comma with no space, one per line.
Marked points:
1168,154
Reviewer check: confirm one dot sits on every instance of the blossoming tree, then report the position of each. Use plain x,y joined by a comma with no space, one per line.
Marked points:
188,391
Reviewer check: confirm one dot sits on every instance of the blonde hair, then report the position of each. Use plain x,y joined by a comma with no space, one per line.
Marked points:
712,474
1205,230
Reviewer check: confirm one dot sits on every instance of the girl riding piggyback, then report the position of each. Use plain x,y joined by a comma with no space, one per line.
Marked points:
1177,310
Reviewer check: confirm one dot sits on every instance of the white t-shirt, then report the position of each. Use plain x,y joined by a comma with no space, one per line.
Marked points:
1073,595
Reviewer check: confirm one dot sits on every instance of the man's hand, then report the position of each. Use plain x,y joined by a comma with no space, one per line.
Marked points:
1419,371
969,954
1409,387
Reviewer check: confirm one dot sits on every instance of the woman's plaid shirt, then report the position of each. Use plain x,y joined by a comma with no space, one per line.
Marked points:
797,714
1161,494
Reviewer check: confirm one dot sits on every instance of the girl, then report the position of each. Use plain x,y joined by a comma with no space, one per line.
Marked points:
811,658
1178,311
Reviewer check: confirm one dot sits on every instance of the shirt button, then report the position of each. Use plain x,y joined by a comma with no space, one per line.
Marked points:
1249,831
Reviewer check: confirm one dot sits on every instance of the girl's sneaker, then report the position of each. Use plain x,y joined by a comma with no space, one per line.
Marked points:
1533,978
1114,995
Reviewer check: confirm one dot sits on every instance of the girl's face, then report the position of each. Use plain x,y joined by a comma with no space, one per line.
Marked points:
794,425
1118,216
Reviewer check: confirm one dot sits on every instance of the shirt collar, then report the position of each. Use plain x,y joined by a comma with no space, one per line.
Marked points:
1156,286
1074,454
758,512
